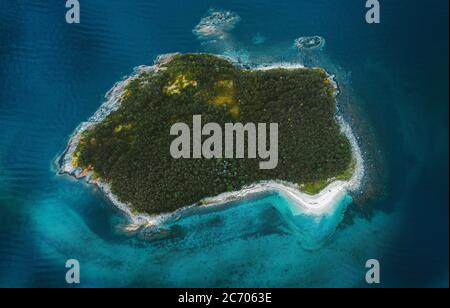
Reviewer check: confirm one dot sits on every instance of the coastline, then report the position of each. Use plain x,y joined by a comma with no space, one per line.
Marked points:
316,205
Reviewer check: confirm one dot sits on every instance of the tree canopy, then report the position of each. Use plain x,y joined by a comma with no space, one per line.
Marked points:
130,147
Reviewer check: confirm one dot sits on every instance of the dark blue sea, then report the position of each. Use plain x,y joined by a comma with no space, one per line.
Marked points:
393,78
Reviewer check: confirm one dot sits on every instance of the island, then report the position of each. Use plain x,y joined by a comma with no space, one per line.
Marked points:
124,147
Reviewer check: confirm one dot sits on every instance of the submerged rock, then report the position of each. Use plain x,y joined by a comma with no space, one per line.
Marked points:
216,25
258,39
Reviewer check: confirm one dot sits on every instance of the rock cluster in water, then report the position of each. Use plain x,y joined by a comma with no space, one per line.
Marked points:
309,42
216,25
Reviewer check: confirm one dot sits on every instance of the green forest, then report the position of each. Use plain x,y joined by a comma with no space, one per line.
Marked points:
130,148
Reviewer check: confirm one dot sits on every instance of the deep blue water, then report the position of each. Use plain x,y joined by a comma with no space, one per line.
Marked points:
394,82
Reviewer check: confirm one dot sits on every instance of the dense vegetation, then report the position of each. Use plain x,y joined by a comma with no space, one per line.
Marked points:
130,148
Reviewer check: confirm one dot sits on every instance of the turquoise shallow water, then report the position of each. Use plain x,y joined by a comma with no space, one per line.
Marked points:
394,92
211,248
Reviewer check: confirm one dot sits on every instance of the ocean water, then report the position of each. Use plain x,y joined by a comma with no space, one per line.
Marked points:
394,91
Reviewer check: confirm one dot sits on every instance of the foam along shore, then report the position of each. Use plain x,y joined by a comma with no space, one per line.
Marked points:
321,204
283,65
